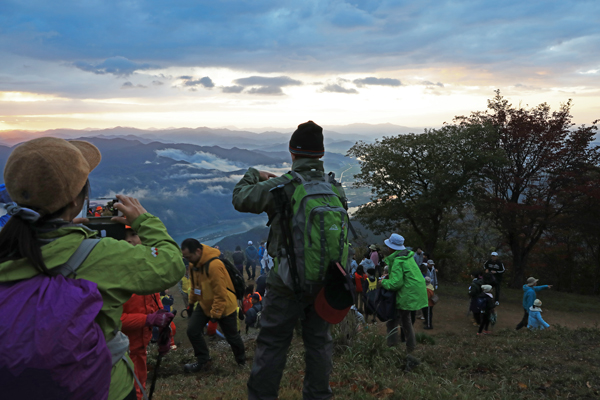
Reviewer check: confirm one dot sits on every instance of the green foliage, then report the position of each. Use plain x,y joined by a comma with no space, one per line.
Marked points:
419,180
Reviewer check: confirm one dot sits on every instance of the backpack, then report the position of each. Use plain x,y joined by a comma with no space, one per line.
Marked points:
385,304
236,277
52,347
481,304
475,289
319,229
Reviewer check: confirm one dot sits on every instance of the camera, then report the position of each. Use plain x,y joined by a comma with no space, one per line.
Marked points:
100,213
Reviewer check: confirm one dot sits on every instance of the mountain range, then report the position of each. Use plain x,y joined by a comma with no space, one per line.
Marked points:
187,185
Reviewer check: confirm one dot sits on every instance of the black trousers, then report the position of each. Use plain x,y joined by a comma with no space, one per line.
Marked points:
485,322
428,314
413,316
251,264
228,325
497,286
524,321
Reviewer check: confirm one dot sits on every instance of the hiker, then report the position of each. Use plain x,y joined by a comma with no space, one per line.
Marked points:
419,256
359,277
370,290
496,268
4,198
261,254
251,260
529,295
474,292
283,306
47,179
535,320
353,266
374,256
406,280
184,286
212,298
432,273
485,305
428,311
140,316
238,259
261,284
221,255
268,260
247,301
254,313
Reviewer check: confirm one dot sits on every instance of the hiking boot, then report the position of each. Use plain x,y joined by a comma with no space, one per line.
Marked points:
196,367
487,332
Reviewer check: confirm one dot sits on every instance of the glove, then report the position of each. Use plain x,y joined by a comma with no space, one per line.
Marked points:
164,339
160,318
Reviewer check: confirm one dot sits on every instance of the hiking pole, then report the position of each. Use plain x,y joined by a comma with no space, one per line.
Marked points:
164,339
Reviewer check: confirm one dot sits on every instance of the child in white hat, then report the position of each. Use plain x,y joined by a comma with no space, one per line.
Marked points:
535,316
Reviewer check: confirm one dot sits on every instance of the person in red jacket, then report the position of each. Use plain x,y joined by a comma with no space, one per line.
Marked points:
359,277
140,315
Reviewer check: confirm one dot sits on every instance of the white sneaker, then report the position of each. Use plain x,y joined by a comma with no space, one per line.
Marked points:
497,303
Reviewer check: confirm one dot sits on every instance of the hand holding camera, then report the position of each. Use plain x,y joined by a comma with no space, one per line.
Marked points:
130,208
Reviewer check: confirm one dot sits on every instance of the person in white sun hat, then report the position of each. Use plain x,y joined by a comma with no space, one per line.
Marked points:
406,280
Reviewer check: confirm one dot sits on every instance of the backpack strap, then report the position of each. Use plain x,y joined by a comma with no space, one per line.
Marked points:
75,261
206,264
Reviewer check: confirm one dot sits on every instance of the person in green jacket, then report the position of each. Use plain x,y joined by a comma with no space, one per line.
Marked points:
281,310
406,280
48,180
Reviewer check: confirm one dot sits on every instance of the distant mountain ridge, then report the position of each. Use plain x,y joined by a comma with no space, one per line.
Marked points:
338,138
188,186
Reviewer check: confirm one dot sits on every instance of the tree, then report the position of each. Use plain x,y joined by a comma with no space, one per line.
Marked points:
546,160
417,180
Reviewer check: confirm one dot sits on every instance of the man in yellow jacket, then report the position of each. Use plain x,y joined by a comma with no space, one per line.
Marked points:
212,298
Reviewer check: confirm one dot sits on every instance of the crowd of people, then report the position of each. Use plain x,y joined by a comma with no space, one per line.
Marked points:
114,297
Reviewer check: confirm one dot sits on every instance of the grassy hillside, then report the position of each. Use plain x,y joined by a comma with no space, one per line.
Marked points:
559,363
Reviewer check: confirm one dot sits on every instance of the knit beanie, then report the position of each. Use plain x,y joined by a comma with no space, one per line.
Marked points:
307,141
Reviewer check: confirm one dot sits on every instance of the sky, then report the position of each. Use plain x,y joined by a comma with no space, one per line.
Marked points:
260,63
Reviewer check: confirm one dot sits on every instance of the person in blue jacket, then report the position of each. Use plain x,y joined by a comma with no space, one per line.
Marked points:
529,296
4,198
535,317
251,260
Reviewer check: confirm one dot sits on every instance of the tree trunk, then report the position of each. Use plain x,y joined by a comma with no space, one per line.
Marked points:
519,262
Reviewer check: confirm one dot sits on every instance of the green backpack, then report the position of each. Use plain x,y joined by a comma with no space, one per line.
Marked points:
318,229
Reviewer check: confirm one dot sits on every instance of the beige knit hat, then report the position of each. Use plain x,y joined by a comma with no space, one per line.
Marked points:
47,173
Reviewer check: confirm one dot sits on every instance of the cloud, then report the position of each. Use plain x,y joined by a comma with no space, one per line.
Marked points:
267,90
216,191
279,81
429,83
157,83
232,89
223,179
372,81
263,85
119,66
337,88
205,82
129,85
201,160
